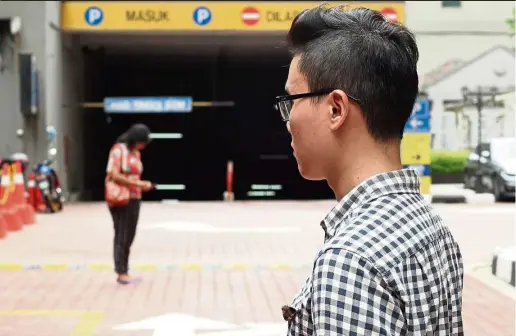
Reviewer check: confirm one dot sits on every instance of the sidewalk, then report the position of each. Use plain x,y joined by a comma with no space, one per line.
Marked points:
89,303
193,242
456,193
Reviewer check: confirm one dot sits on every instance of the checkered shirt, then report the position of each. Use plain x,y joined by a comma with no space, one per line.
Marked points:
389,266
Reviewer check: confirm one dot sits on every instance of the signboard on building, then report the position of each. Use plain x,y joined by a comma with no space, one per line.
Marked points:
148,104
417,143
112,16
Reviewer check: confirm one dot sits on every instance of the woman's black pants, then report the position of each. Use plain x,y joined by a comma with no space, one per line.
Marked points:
125,220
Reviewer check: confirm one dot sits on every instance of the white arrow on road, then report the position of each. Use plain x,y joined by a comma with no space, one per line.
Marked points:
180,226
176,324
254,329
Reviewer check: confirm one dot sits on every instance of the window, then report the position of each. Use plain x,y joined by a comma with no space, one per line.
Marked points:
451,4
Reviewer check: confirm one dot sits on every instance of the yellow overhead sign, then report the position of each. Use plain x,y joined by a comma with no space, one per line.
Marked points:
197,16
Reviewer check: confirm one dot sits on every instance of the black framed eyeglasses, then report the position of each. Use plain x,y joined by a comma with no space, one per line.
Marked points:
284,103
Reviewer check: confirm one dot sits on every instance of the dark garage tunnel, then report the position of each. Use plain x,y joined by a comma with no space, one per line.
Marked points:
250,133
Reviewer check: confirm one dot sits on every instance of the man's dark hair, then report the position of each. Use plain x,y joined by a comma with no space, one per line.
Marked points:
138,133
361,53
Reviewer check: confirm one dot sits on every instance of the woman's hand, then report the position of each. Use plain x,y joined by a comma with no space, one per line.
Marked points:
145,185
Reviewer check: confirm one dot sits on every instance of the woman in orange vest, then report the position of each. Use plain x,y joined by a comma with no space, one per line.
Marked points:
125,168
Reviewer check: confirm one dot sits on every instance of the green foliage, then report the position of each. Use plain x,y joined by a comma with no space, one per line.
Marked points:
448,162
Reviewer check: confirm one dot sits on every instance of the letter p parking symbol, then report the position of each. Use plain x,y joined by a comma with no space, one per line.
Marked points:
202,16
93,16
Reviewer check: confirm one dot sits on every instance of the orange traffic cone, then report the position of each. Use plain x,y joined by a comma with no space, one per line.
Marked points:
7,199
3,227
24,209
3,222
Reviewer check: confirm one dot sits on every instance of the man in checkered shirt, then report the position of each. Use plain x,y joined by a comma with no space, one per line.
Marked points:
389,265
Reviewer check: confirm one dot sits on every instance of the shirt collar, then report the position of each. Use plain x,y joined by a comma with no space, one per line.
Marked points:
393,182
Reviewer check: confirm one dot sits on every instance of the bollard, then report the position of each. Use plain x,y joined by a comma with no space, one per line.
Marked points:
228,194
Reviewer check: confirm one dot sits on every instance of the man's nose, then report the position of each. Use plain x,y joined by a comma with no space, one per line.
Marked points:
288,127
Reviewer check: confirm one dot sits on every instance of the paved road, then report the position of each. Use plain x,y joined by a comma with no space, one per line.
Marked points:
233,263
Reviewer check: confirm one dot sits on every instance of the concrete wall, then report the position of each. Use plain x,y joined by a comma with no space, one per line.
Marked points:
32,40
71,114
447,33
40,35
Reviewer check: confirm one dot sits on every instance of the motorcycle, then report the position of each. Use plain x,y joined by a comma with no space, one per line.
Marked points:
48,184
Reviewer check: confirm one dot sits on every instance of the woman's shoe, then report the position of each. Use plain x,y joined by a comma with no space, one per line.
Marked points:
123,280
126,280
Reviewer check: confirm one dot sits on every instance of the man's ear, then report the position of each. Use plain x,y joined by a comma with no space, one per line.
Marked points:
338,105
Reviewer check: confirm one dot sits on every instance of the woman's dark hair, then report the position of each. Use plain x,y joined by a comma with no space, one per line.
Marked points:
138,133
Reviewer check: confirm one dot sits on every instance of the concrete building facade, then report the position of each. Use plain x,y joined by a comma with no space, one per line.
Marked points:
451,30
448,37
463,43
57,69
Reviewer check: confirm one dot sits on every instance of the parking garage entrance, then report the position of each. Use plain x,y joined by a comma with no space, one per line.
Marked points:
189,153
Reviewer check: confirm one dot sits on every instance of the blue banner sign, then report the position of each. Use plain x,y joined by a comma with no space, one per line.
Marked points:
421,108
419,121
418,124
148,104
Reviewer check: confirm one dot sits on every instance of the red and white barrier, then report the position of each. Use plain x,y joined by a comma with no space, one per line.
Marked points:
228,194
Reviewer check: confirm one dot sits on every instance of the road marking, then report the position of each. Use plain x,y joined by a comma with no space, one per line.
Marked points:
149,267
255,329
176,324
89,320
198,227
188,325
477,209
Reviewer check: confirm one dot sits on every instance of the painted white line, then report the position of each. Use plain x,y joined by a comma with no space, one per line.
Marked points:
199,227
475,210
261,193
170,187
166,136
176,324
170,201
266,186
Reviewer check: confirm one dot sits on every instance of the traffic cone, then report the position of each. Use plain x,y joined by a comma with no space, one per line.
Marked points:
7,199
25,210
3,222
3,226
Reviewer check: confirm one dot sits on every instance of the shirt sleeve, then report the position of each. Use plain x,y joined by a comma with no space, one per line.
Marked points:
350,297
114,159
